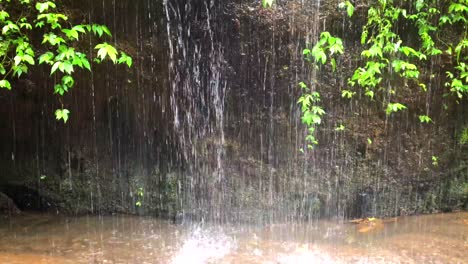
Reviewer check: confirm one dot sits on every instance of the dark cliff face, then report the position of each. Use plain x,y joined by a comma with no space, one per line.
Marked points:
206,122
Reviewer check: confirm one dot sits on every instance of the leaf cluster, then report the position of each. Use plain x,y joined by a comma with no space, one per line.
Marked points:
20,49
311,113
387,57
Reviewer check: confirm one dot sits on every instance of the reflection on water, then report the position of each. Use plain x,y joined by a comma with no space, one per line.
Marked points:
122,239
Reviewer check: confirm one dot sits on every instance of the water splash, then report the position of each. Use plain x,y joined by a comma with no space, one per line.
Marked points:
203,246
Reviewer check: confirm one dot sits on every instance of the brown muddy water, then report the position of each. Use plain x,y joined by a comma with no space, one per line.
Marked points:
441,238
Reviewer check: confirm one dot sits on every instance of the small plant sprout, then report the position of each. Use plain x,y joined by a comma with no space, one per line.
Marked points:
349,7
140,193
464,136
425,119
394,107
340,127
267,3
347,94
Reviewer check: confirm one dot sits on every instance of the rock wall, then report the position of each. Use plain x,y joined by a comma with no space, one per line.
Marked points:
206,124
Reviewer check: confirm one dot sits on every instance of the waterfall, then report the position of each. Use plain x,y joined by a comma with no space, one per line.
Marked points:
207,124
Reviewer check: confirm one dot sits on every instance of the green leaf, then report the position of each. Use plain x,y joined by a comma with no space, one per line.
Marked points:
4,15
26,26
305,102
340,128
364,37
79,28
71,33
104,50
347,94
42,7
68,81
66,67
18,60
10,27
55,67
62,114
316,119
52,39
444,20
394,107
106,30
464,136
267,3
19,70
349,8
29,59
318,110
97,30
423,87
307,118
86,63
370,94
303,85
60,89
425,119
124,58
39,24
46,58
5,84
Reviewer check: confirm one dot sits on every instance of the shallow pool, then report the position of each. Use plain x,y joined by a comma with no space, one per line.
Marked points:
441,238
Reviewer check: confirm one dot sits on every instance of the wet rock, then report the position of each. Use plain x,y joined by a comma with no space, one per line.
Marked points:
369,224
7,206
26,198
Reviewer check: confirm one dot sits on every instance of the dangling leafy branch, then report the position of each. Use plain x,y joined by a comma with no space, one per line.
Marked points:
325,50
387,59
21,21
311,113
